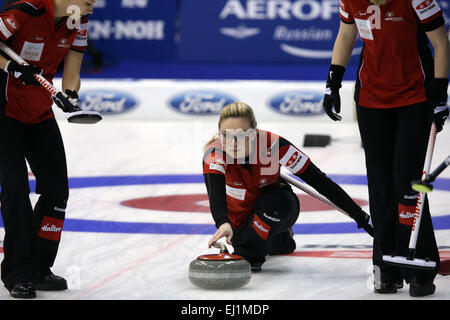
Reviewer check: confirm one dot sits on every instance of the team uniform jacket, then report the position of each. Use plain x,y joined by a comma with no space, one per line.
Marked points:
29,29
396,63
234,187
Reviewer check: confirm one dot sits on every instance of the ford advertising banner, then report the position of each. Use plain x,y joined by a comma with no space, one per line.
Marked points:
134,29
260,30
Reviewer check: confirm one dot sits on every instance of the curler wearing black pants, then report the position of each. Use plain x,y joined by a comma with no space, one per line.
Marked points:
268,229
44,35
254,208
31,235
395,142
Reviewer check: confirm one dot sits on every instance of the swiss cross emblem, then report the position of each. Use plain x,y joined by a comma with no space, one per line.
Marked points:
292,159
424,4
82,33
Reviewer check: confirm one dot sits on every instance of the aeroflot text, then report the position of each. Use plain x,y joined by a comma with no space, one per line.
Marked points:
280,9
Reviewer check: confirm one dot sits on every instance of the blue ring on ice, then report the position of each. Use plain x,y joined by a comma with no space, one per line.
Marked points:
100,226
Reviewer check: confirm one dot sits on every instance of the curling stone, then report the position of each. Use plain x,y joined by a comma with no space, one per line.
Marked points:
219,271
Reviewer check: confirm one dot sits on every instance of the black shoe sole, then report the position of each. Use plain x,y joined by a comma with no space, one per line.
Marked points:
386,290
389,288
22,291
51,287
22,294
422,292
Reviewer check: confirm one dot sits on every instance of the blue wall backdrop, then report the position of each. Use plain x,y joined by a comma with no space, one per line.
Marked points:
301,31
135,29
262,39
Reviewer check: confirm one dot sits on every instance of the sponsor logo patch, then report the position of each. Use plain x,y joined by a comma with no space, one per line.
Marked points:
406,214
217,167
364,29
261,228
235,193
51,228
81,39
425,9
32,51
294,160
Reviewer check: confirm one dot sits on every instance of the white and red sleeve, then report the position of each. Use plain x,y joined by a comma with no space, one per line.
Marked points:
292,158
426,10
11,22
214,163
81,39
345,11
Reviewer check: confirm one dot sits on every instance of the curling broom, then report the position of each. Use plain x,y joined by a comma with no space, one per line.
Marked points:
75,115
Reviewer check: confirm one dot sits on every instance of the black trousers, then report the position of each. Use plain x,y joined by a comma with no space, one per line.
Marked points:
267,229
395,142
31,235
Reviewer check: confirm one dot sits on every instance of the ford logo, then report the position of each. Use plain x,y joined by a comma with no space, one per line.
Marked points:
202,102
298,103
107,102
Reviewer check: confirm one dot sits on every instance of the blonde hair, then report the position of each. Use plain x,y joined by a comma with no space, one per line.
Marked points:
379,2
234,110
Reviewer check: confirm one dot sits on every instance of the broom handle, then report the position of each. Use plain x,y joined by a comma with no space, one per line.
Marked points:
311,192
421,197
13,55
432,176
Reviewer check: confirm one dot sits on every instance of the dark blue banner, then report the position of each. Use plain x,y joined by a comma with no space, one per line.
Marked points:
260,30
134,29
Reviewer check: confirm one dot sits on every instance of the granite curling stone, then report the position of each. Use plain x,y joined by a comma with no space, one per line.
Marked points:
219,271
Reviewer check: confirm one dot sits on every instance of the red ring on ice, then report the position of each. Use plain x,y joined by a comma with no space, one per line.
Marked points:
200,203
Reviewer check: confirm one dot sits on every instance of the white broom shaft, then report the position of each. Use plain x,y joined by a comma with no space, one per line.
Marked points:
421,197
13,55
311,192
430,150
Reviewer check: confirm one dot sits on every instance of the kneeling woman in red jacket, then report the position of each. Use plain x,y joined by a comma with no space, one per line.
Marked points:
251,205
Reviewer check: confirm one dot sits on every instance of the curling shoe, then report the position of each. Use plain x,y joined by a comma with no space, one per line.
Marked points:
256,266
417,289
51,282
389,286
282,243
386,287
23,290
